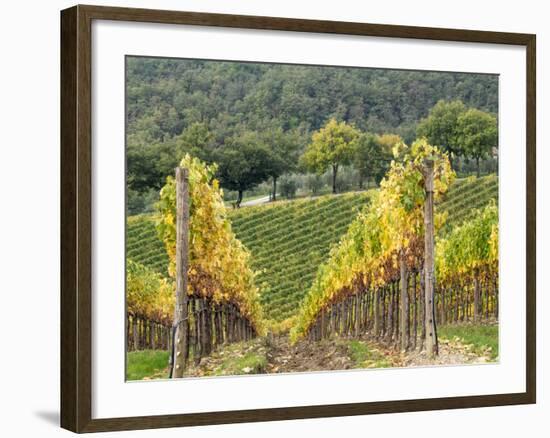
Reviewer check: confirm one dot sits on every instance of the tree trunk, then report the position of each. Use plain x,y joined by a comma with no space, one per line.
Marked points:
181,343
239,199
404,303
477,166
334,173
274,197
431,334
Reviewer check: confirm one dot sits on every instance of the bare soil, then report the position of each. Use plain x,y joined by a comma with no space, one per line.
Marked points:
275,354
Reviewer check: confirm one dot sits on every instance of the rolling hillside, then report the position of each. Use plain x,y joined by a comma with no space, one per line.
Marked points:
289,239
143,244
465,196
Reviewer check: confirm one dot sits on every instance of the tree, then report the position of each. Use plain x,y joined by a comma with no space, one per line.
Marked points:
373,154
478,133
331,146
284,147
367,157
244,162
441,127
289,186
195,140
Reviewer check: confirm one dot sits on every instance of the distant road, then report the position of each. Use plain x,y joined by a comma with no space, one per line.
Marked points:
256,201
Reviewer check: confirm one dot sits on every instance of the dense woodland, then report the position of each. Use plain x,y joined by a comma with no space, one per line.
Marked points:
247,115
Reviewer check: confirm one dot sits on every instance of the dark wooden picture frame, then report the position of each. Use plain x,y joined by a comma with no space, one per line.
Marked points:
76,218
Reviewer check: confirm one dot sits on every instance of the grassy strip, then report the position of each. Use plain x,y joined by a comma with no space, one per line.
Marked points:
482,338
146,363
365,355
253,362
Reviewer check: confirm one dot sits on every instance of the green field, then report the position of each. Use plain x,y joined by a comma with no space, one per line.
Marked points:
146,363
289,239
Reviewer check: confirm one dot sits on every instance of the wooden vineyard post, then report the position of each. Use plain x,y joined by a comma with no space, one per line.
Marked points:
476,297
376,305
431,335
181,321
357,314
404,318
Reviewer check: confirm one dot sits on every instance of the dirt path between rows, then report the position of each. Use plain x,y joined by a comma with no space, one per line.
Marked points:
275,354
282,357
338,355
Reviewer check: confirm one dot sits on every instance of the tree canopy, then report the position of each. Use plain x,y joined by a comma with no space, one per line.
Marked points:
178,106
477,133
459,130
244,162
440,127
331,146
372,155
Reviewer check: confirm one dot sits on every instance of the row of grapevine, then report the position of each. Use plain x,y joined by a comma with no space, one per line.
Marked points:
378,312
144,334
289,240
143,244
150,309
374,281
467,262
222,298
216,296
466,196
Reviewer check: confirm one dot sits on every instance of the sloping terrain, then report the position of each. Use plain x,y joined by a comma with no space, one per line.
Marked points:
143,244
289,239
465,196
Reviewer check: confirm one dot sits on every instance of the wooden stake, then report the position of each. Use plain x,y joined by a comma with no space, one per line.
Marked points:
181,341
404,317
431,335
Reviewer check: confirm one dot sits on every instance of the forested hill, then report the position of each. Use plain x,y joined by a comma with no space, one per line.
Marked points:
167,95
177,106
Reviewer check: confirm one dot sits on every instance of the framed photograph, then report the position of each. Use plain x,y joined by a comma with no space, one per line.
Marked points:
271,218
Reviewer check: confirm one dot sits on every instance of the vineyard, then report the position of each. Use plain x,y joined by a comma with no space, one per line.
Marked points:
289,240
290,258
380,278
465,197
143,244
217,301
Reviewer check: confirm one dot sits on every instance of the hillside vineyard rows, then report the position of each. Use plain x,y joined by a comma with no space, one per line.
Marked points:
288,240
